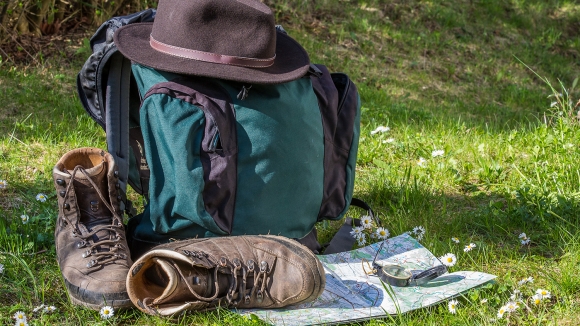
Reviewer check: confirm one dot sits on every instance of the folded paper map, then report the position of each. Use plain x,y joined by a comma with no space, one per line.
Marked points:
351,294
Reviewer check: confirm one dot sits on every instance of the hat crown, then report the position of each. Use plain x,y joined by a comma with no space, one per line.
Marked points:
240,28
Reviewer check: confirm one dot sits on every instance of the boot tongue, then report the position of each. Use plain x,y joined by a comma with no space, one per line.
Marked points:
92,209
178,283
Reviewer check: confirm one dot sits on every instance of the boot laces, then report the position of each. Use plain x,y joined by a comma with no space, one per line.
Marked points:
115,230
237,291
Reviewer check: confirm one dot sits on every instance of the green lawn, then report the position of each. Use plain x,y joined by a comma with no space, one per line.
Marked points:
493,84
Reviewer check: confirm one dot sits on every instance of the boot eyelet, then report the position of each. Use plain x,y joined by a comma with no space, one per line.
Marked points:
236,262
91,263
263,266
223,262
260,296
86,254
116,173
66,206
81,244
94,205
247,299
61,193
60,182
250,265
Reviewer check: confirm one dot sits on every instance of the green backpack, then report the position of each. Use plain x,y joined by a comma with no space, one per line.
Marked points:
218,158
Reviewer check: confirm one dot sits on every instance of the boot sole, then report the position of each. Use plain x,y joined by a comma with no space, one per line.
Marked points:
96,300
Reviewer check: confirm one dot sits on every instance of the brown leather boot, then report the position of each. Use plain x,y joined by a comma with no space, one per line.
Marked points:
90,238
239,271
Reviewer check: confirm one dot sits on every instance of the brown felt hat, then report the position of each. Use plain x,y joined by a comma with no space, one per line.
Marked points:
227,39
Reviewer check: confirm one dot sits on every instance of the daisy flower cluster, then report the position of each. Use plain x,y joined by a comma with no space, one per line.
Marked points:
20,319
540,295
508,308
44,308
383,129
517,299
422,162
368,231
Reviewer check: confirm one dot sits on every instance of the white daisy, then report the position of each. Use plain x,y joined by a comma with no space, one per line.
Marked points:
41,197
469,247
49,309
437,152
362,240
544,293
380,129
19,315
448,259
366,222
483,301
382,233
511,306
107,312
454,239
525,242
419,232
21,322
524,281
453,306
501,312
537,299
356,232
530,279
523,236
24,218
1,269
3,184
421,162
38,308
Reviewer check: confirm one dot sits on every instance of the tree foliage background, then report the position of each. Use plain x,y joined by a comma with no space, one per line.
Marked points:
48,17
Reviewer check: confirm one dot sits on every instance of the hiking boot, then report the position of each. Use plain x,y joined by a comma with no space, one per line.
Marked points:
90,239
239,271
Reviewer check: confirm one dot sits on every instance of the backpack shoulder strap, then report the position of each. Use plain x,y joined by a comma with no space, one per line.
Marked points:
103,85
117,118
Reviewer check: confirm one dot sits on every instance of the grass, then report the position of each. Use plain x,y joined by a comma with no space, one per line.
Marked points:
476,79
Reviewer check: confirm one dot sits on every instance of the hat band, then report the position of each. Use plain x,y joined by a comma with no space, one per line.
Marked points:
208,56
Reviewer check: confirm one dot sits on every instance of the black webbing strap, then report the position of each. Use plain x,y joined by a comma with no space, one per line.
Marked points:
117,120
343,240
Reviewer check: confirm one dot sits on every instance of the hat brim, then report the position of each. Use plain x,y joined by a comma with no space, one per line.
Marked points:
291,61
